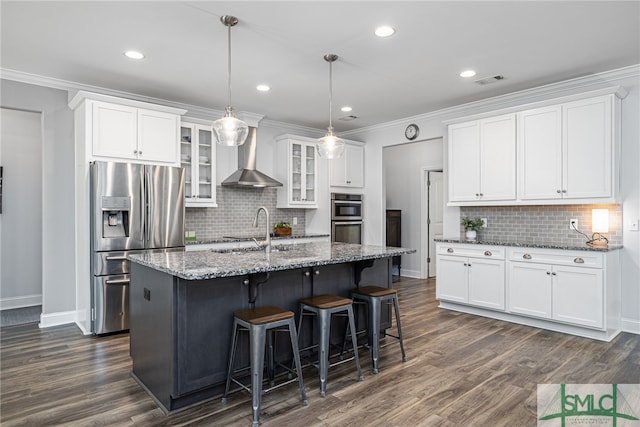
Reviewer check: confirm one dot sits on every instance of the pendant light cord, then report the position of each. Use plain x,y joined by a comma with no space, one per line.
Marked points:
229,66
330,92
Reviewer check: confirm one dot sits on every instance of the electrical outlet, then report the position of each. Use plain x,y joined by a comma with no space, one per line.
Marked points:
573,222
633,225
295,220
484,222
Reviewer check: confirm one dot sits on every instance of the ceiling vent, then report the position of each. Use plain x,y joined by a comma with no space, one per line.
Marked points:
348,118
489,80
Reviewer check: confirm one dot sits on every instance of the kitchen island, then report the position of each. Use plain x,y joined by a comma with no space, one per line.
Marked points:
182,306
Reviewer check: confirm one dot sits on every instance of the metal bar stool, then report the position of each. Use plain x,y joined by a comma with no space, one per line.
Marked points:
323,306
259,322
373,296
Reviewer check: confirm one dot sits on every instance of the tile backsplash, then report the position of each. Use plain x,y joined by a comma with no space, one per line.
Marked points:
235,212
542,224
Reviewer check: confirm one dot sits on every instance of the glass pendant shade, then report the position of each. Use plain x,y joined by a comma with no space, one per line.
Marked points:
330,146
229,130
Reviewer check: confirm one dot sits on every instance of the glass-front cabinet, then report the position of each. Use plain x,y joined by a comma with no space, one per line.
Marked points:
297,169
198,158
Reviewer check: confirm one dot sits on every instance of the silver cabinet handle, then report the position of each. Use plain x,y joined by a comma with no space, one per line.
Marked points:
526,256
317,272
477,194
553,274
245,282
564,191
116,258
548,273
481,194
578,260
450,250
487,253
307,274
558,191
135,151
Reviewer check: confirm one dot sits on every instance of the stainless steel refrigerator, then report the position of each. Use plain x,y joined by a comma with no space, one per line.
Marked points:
133,207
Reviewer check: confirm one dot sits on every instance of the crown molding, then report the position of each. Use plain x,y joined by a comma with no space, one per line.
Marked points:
557,89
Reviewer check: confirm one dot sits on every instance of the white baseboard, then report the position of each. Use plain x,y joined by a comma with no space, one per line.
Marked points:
21,301
55,319
414,274
630,325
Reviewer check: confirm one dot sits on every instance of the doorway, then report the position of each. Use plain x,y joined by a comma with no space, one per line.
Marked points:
21,217
434,209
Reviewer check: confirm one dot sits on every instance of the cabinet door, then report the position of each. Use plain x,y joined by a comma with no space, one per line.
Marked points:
464,162
157,135
309,178
529,289
486,283
578,295
187,139
348,170
114,130
540,154
498,158
451,283
587,136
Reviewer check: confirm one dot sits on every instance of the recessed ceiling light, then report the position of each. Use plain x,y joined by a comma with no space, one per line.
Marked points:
132,54
468,73
346,109
384,31
263,88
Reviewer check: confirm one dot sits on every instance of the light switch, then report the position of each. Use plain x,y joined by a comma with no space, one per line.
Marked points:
633,225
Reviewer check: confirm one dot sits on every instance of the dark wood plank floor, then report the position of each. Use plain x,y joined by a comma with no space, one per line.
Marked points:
461,370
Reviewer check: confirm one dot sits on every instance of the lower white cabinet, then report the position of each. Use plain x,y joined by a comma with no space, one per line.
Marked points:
471,276
571,294
571,291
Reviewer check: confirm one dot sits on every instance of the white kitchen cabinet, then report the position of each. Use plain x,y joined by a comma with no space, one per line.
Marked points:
296,168
125,130
198,158
543,283
348,170
482,160
565,151
471,275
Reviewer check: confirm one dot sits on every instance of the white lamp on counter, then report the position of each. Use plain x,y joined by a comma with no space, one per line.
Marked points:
599,225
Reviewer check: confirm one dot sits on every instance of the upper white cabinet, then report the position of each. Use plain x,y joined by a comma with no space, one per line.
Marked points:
566,151
126,130
296,168
482,160
198,158
561,152
348,170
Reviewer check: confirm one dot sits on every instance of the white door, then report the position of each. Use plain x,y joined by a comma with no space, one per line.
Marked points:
529,289
21,243
115,130
464,162
451,284
486,283
157,136
435,206
498,158
578,295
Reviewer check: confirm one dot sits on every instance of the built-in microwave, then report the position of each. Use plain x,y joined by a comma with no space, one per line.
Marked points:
346,207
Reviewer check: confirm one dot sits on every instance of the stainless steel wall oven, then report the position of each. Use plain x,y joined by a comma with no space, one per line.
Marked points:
346,218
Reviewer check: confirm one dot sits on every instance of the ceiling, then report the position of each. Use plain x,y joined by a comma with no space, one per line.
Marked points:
282,44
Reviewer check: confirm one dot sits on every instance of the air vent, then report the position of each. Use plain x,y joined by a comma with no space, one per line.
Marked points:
348,118
489,80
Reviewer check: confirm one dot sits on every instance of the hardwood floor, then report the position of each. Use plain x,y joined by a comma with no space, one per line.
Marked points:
461,370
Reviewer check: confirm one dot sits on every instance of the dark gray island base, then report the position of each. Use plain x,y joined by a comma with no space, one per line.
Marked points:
182,306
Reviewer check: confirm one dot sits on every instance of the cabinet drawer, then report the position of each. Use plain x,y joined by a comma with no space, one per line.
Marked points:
556,257
471,250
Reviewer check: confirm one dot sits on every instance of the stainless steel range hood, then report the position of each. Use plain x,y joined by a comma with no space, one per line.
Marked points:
247,175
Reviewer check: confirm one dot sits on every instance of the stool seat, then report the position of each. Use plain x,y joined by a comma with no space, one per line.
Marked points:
263,315
374,291
325,302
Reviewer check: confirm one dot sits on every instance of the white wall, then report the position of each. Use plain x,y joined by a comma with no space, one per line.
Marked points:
21,260
431,126
404,177
58,267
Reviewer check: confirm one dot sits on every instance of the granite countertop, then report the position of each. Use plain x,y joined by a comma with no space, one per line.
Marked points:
546,245
210,264
249,238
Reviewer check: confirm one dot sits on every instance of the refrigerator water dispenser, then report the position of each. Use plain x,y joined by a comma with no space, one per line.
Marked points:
115,217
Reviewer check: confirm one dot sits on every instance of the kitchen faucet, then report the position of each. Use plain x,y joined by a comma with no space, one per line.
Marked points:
255,224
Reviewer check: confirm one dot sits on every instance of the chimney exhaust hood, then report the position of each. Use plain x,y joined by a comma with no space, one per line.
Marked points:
247,175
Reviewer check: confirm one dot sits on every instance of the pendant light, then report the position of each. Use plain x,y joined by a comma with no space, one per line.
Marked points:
330,146
229,130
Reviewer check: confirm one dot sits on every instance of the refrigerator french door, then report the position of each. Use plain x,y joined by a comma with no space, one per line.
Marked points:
134,207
